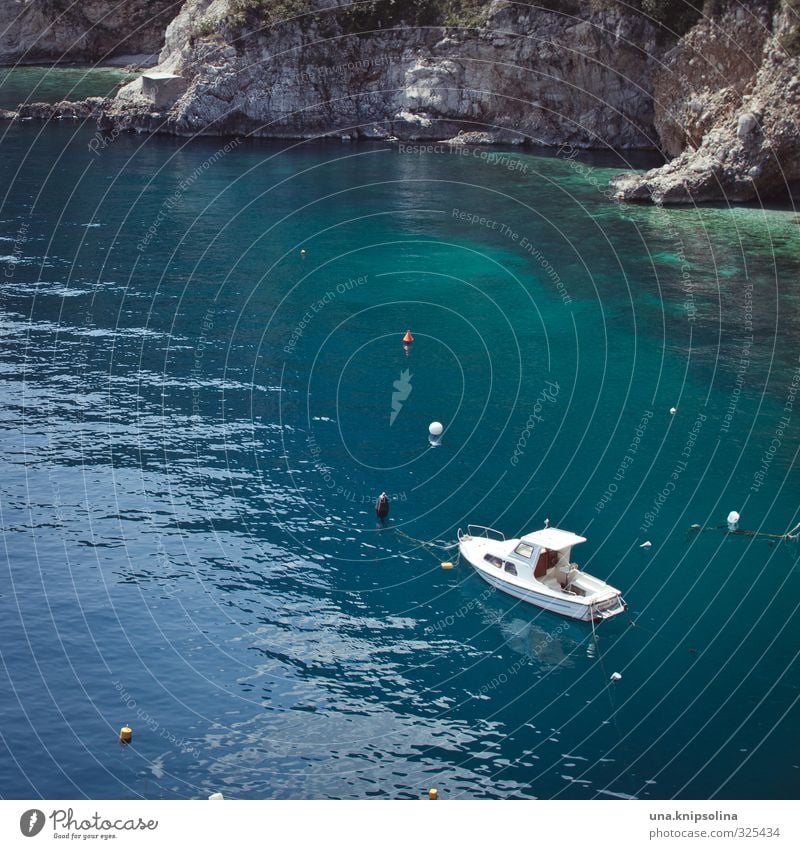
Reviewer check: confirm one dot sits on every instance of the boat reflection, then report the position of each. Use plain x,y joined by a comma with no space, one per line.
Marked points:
544,640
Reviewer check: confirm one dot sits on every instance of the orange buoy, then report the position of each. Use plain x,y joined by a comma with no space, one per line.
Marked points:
408,338
433,793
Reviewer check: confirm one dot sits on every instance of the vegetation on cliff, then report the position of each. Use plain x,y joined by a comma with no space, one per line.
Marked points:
675,17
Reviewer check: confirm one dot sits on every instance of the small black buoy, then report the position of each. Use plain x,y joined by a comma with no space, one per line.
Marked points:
382,506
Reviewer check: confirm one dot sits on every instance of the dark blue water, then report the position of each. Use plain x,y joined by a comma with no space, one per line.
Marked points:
196,422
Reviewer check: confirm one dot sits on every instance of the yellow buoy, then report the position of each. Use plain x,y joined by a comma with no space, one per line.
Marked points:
433,793
125,734
447,565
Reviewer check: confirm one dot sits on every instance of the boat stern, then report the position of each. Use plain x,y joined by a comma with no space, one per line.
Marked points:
609,607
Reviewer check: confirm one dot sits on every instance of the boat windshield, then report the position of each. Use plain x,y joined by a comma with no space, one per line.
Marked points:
524,549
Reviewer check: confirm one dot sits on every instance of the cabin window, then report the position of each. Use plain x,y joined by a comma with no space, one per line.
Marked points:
524,550
511,569
495,561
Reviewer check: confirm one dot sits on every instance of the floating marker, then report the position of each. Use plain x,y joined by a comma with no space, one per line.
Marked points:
408,338
615,676
792,534
673,410
435,430
382,506
447,564
216,797
433,793
646,544
125,734
733,520
302,251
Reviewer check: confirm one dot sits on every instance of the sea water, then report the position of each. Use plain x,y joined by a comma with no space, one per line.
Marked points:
204,390
43,84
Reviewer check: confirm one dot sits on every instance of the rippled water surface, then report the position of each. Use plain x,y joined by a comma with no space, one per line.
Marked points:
50,85
196,420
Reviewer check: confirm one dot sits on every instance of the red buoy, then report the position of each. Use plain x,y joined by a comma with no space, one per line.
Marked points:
408,338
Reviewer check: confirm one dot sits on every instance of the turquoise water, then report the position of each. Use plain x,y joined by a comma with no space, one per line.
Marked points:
50,85
196,420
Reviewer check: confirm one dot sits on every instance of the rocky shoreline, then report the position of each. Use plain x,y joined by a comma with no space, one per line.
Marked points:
723,101
38,32
730,113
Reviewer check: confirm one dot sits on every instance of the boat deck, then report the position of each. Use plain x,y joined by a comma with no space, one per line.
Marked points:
551,582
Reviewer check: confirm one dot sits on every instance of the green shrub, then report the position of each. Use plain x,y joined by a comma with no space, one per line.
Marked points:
675,16
257,14
205,28
383,14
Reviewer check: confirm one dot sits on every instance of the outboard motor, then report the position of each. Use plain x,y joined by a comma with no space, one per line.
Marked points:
382,506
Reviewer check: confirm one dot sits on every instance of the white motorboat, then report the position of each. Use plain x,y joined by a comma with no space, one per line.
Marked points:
536,568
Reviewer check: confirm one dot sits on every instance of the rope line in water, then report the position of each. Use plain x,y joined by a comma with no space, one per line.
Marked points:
634,624
740,532
431,547
609,686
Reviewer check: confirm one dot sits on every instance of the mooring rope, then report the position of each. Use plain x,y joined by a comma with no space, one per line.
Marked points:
433,548
741,532
610,682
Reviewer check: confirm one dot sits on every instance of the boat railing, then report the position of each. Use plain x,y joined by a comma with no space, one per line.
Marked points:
484,531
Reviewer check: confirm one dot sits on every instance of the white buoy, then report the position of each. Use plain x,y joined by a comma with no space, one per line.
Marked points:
435,430
673,410
646,544
216,797
615,676
733,520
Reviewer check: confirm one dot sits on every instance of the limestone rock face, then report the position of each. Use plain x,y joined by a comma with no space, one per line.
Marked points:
705,76
731,113
91,108
528,75
84,31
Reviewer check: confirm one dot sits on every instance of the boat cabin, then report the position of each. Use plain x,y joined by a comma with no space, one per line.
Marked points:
545,556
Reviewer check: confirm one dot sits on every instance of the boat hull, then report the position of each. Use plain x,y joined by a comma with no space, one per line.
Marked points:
593,609
562,608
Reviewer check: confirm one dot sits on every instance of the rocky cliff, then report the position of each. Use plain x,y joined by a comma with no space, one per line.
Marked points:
722,99
727,107
525,75
35,31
